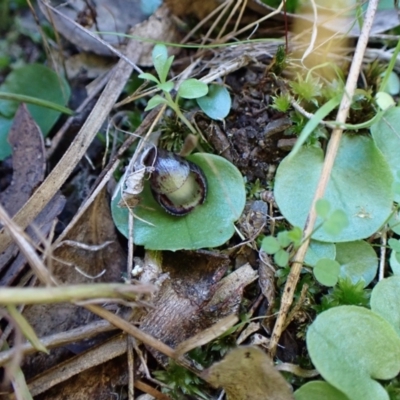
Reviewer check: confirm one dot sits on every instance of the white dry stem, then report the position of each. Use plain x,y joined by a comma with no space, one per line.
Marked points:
314,33
331,153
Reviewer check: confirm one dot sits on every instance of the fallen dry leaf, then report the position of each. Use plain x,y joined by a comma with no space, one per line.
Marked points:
247,373
29,164
119,17
116,16
28,159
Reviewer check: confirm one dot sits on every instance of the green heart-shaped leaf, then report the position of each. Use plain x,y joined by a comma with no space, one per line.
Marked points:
360,185
208,225
358,261
318,390
385,300
351,347
386,134
217,103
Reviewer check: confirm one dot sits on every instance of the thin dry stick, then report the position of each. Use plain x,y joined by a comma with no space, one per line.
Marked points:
232,13
144,387
61,339
241,12
20,238
204,20
113,50
255,23
287,297
141,336
215,23
131,368
56,139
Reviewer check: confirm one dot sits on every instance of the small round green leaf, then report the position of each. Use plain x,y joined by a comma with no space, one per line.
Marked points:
384,100
326,271
208,225
394,264
394,223
295,235
336,222
358,261
319,390
192,89
351,346
284,238
386,133
360,185
322,208
270,245
394,244
155,101
385,300
217,103
166,86
281,258
317,250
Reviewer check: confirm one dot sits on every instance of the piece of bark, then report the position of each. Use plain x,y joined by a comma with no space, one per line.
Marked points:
194,297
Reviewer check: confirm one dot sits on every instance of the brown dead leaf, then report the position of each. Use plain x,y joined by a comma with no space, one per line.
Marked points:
117,16
28,160
95,228
197,8
29,165
102,382
247,373
194,297
159,26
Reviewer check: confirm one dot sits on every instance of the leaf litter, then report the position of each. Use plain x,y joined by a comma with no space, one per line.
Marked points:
196,289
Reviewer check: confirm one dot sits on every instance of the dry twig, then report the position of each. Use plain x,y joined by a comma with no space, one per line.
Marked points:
331,153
